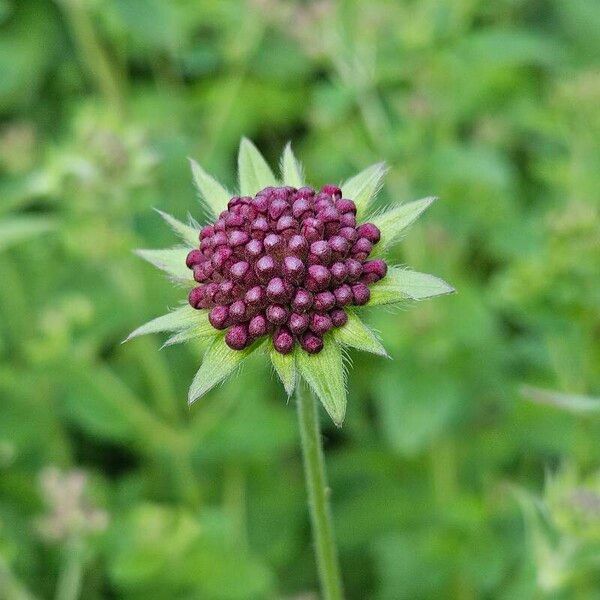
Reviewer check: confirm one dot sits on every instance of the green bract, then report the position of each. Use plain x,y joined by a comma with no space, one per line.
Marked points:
323,372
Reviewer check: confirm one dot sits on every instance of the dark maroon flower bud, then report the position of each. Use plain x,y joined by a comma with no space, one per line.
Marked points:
354,269
361,294
277,208
258,326
237,337
318,278
201,273
221,255
254,249
343,295
322,202
260,224
311,234
234,220
277,314
207,231
305,192
324,301
239,269
302,301
261,203
311,343
193,258
226,290
273,243
283,341
338,317
347,220
196,297
314,223
348,233
286,223
220,239
293,269
332,190
298,323
265,268
374,270
345,206
320,323
339,272
219,317
219,225
322,251
301,207
237,311
370,232
233,202
329,214
276,290
237,237
339,245
298,245
255,296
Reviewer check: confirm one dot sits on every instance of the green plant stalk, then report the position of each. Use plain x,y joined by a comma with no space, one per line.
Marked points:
318,492
71,576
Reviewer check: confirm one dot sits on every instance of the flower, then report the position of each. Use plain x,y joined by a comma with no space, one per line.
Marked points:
285,268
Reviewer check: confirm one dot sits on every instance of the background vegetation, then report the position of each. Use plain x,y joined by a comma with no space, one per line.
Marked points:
447,481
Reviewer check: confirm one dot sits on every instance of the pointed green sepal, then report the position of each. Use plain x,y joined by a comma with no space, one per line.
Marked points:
169,260
394,222
363,188
285,367
324,372
219,362
201,327
402,284
212,194
291,169
187,233
357,335
253,171
181,318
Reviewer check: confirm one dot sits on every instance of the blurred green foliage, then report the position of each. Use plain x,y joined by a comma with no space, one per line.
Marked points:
492,106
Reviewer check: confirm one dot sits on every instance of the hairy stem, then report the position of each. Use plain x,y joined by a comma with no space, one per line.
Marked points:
318,495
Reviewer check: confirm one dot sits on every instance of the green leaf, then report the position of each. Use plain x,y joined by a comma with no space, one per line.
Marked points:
363,188
357,335
254,172
285,366
394,222
200,328
324,372
213,195
219,362
291,169
170,260
187,233
181,318
403,284
17,229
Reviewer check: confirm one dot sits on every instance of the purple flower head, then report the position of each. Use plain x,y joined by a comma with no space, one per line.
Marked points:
285,263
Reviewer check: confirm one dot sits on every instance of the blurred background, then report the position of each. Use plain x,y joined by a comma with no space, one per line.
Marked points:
450,478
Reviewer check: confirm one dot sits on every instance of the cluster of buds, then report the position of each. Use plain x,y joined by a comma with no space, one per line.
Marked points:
285,263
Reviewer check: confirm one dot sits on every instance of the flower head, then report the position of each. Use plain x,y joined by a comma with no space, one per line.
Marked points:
285,267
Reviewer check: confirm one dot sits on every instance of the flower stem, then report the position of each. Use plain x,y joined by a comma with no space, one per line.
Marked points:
318,495
69,582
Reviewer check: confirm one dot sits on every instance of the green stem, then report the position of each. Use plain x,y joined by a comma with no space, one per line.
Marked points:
69,582
318,496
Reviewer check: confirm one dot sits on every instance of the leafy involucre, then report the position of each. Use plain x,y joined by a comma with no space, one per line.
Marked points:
362,188
291,169
214,196
181,318
357,335
324,373
403,284
254,172
394,222
285,365
219,362
170,260
200,328
187,233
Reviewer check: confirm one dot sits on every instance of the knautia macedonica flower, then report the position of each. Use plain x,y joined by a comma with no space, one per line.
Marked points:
285,267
